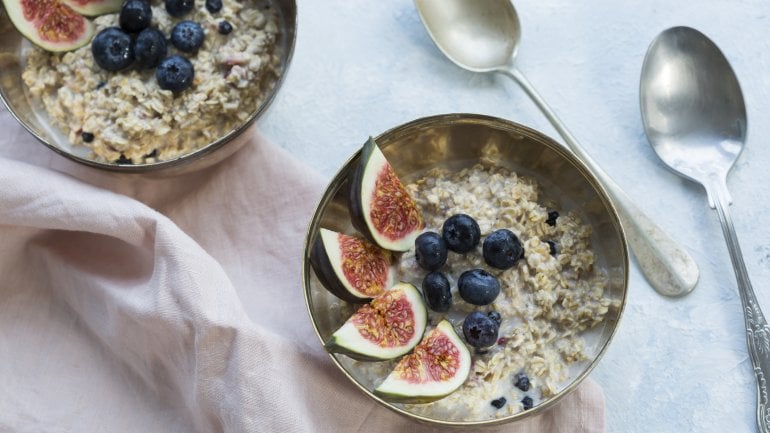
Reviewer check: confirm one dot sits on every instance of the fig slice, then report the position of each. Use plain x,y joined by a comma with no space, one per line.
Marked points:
350,267
49,24
388,327
92,8
379,205
436,368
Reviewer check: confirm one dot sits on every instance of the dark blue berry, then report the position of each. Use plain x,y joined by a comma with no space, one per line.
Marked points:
112,49
461,233
479,330
213,6
478,287
187,36
175,73
124,160
521,381
177,8
437,292
135,15
498,403
494,315
552,248
101,84
527,402
224,28
87,137
430,251
150,48
552,215
502,249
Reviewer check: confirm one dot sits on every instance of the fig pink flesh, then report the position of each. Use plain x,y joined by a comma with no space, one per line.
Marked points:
388,321
394,214
364,264
53,21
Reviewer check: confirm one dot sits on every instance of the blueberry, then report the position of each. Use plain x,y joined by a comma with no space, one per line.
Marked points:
521,381
187,36
150,48
527,402
214,6
135,15
112,49
224,28
175,73
478,287
498,403
494,315
430,251
552,215
552,247
502,249
177,8
123,160
435,286
479,330
461,233
87,137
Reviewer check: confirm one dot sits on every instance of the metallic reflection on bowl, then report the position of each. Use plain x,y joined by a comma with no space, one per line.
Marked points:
460,140
34,119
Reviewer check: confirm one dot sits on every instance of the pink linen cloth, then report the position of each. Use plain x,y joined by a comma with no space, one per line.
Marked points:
138,304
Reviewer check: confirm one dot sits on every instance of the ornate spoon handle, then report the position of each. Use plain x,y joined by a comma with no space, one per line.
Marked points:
757,330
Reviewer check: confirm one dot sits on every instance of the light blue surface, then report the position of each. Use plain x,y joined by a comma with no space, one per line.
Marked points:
675,365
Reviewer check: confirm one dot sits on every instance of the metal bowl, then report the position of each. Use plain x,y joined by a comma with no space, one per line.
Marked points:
460,140
36,121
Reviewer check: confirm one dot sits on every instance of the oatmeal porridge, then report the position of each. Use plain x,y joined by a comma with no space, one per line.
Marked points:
546,301
126,117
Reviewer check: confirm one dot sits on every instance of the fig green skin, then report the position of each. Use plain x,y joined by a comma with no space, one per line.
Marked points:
322,266
331,345
94,7
400,398
355,207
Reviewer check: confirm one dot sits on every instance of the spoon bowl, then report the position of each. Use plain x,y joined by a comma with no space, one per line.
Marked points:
483,36
695,118
477,36
692,105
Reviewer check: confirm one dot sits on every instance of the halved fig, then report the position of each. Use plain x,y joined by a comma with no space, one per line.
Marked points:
388,327
49,24
436,368
92,8
380,207
352,268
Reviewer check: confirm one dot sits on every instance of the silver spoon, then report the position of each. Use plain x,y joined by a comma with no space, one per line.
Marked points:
483,36
695,119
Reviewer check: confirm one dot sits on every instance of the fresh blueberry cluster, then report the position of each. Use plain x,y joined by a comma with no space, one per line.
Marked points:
501,249
461,234
135,42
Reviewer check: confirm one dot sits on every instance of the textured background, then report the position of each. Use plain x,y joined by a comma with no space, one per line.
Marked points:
362,67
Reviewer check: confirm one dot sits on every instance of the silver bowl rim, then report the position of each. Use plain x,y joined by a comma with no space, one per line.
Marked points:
589,175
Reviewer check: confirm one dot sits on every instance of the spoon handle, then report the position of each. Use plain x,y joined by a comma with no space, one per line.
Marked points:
668,267
757,330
